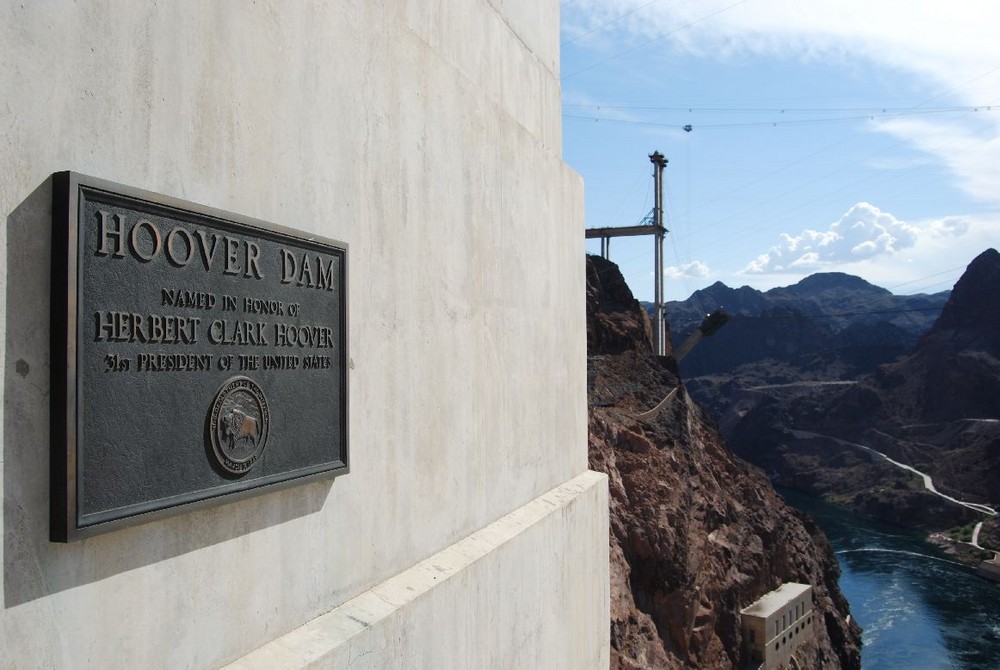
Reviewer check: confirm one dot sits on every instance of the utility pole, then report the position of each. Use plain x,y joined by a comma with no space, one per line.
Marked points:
646,227
659,162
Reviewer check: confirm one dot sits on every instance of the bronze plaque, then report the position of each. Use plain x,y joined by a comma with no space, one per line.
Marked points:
197,356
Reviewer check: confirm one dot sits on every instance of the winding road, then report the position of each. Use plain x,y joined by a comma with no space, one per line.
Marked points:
928,482
801,384
975,536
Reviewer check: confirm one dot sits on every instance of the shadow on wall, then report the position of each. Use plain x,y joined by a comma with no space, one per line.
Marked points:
33,566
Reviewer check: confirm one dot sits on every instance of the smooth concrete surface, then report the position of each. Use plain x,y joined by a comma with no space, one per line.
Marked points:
426,135
519,593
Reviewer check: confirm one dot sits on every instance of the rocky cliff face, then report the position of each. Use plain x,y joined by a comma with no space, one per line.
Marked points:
696,533
936,409
939,408
954,372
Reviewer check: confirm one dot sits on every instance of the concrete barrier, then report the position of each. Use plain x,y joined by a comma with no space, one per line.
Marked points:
427,136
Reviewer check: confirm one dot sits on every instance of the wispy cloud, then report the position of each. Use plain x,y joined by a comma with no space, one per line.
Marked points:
972,154
863,232
935,37
952,48
950,226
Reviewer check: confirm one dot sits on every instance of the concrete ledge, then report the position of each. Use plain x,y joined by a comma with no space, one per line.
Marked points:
527,591
989,570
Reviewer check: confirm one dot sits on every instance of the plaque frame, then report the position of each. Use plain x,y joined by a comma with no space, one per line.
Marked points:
67,411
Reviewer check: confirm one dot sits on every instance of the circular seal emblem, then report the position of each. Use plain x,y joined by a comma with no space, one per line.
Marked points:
238,425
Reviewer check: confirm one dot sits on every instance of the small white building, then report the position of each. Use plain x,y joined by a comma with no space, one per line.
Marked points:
776,625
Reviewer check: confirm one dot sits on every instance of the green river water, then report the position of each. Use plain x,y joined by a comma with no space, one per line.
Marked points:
919,608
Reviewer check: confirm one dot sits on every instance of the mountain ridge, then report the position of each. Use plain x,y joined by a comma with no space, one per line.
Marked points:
823,294
829,326
936,409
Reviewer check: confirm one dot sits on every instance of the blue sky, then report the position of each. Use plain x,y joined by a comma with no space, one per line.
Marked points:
847,136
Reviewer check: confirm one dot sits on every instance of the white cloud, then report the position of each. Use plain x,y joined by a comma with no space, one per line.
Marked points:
943,249
694,269
863,232
939,253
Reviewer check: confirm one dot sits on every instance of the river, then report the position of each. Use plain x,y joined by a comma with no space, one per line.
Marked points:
920,610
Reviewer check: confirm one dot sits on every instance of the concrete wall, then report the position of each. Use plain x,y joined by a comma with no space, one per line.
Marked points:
427,136
989,570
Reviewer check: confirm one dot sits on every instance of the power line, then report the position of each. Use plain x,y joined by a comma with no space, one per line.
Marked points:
789,122
918,108
879,111
779,110
800,315
839,142
919,279
755,225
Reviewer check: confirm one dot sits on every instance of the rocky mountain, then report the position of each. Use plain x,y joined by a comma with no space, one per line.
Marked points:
696,533
828,326
940,406
936,410
839,299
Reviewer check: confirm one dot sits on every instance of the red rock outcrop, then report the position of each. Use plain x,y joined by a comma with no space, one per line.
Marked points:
696,533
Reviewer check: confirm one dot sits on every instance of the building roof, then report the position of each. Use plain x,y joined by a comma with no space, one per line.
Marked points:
771,602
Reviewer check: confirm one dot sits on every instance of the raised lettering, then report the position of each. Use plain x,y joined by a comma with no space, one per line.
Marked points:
207,251
156,328
104,232
105,322
306,271
232,262
137,328
171,254
222,331
320,337
151,329
287,266
190,299
157,241
325,278
216,331
253,257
